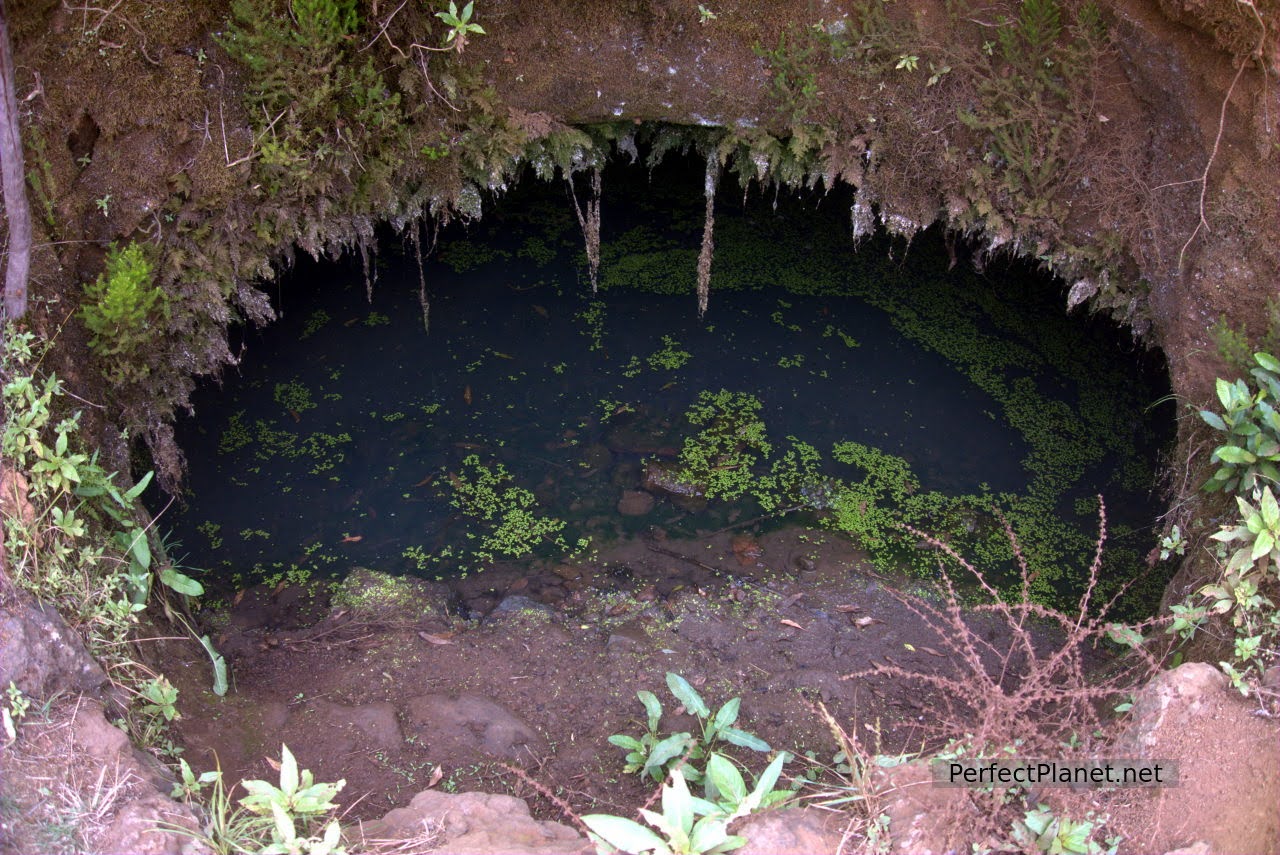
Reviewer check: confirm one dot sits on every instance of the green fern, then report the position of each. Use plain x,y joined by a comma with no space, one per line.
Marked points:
122,307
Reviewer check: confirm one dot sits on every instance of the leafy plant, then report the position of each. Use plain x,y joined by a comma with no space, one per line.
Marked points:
1249,549
1041,830
795,74
1032,110
654,754
80,548
1251,452
291,818
122,309
689,825
160,699
460,26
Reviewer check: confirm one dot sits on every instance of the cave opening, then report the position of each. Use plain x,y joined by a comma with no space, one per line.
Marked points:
834,390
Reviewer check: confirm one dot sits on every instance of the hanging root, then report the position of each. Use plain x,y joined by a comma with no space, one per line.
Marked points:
590,224
415,237
367,251
708,243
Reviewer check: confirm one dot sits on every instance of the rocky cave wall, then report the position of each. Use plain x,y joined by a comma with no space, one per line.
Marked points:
137,128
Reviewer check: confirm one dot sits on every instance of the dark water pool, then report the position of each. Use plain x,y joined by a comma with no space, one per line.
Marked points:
341,438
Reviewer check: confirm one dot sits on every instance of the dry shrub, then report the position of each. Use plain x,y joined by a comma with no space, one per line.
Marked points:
1027,677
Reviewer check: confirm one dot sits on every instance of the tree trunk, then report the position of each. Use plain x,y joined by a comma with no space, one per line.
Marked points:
17,211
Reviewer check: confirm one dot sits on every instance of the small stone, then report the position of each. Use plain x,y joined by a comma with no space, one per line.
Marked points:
567,571
635,503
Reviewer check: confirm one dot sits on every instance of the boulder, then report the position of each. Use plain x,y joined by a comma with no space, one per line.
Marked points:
798,831
141,827
475,824
41,654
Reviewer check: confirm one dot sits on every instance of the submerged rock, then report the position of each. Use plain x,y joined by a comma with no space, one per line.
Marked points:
635,503
662,478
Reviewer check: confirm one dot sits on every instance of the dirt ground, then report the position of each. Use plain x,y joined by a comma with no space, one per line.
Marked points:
390,688
370,693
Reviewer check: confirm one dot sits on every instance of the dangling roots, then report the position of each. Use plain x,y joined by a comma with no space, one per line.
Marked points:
590,224
708,243
415,237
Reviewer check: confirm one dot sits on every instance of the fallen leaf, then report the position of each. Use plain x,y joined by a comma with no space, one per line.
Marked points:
502,355
931,652
440,638
466,394
425,481
235,601
352,538
437,775
864,621
541,311
792,623
909,647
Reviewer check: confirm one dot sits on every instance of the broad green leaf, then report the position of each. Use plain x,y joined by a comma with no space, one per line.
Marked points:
726,715
1270,511
1267,361
677,806
1234,454
1126,635
709,833
624,834
285,831
652,706
628,742
219,666
1263,545
1267,447
667,750
136,489
687,695
181,582
288,771
1213,420
726,778
1224,393
769,777
742,739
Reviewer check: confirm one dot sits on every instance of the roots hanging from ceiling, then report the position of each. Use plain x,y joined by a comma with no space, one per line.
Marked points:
368,249
708,242
415,237
589,223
